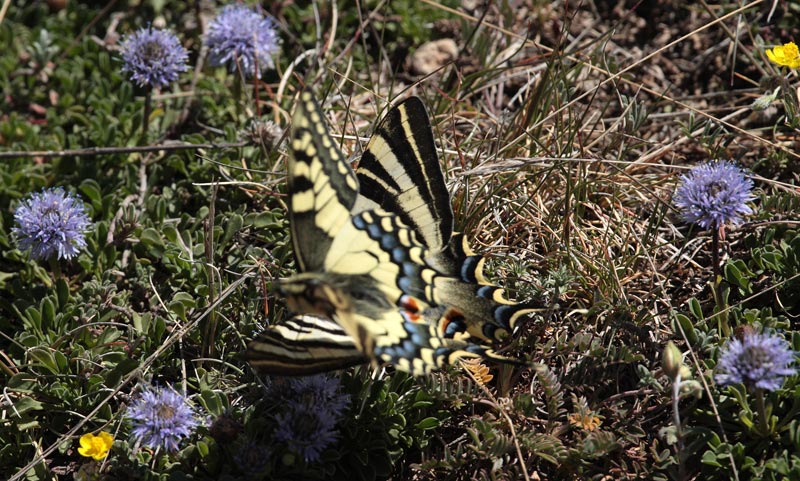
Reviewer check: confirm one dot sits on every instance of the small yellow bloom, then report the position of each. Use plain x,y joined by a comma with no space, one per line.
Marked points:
478,370
786,55
96,447
588,421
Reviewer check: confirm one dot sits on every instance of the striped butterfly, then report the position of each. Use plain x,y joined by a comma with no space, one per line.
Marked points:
384,278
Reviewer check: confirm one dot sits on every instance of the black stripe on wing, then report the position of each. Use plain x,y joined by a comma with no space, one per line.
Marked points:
400,172
303,345
322,186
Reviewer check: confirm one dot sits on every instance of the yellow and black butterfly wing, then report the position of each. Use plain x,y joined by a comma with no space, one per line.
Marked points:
399,172
380,256
322,190
303,345
322,186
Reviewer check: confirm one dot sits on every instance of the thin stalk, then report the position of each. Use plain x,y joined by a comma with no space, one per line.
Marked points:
148,98
762,413
676,418
716,285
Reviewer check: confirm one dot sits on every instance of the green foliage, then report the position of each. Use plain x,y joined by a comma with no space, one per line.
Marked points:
775,261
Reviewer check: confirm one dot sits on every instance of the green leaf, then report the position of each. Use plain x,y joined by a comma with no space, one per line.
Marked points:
688,328
202,449
427,423
695,309
710,459
48,310
124,367
736,273
23,382
45,359
62,292
26,404
151,237
234,225
91,189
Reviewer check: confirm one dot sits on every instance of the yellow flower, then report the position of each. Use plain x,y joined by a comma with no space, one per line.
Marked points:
96,447
786,55
588,420
478,370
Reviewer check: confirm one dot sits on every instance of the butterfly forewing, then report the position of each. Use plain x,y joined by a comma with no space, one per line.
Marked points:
322,186
303,345
399,172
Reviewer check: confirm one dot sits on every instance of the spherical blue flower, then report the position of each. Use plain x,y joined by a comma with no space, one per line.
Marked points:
713,194
313,406
161,418
153,58
251,458
757,360
306,430
241,38
320,391
52,222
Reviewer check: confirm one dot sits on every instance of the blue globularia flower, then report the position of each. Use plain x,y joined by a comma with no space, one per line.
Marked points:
713,194
319,390
757,360
313,406
51,223
251,458
153,58
306,431
242,38
161,418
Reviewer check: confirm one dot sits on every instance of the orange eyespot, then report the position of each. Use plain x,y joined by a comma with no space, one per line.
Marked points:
410,308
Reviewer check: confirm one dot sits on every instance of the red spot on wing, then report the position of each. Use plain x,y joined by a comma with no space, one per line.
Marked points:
410,309
451,315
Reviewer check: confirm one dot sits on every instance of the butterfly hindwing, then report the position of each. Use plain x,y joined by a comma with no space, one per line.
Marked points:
400,173
487,314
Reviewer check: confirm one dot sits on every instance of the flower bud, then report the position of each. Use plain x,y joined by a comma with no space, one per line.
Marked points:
671,360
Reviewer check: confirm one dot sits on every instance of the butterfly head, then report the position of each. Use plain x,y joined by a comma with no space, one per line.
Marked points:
311,293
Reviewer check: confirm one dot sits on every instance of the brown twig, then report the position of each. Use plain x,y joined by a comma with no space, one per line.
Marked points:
92,151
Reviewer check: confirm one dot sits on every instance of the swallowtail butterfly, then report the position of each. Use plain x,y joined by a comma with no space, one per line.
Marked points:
383,277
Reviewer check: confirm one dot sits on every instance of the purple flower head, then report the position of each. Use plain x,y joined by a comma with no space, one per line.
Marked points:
161,418
51,223
153,58
713,194
320,391
241,38
306,430
313,407
252,458
757,360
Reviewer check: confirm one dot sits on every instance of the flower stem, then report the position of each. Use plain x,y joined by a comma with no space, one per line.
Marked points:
715,254
720,300
148,97
237,94
676,418
763,429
